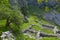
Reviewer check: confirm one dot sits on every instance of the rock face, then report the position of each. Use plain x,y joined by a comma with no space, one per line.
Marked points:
24,2
53,16
50,16
51,3
17,3
21,3
41,5
32,2
57,19
12,2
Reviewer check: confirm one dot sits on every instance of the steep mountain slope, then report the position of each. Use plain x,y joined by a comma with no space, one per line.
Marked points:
37,12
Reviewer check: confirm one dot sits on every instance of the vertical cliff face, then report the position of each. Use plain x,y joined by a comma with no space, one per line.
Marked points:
53,16
12,2
57,19
24,2
50,3
50,16
19,3
32,2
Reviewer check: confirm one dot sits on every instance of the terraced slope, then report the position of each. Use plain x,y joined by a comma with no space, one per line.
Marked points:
18,15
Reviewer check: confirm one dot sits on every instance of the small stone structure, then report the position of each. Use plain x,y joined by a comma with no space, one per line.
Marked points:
7,36
29,31
39,34
47,27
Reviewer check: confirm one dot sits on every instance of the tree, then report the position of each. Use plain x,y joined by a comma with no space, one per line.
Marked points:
13,18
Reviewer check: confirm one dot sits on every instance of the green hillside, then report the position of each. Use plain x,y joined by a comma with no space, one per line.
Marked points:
18,15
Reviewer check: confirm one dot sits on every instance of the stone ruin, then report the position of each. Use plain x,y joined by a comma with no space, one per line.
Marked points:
7,36
29,31
47,27
39,34
56,31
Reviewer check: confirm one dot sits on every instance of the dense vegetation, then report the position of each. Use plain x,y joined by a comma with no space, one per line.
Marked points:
17,15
